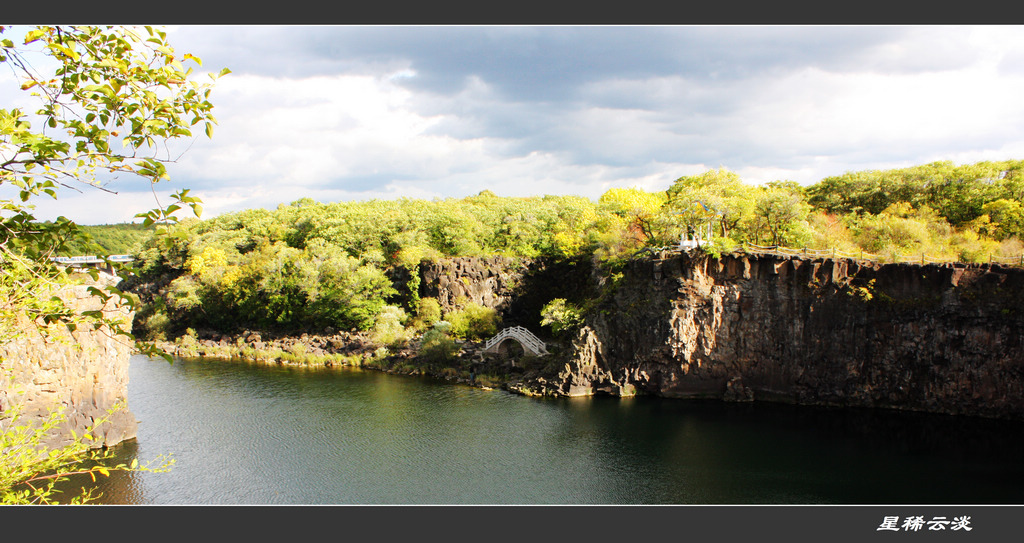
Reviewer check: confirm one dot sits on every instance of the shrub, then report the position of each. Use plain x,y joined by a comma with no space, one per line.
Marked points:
437,346
388,326
560,316
156,327
428,312
474,322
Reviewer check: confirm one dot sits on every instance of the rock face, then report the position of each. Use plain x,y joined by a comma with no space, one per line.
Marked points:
937,338
517,287
84,374
489,282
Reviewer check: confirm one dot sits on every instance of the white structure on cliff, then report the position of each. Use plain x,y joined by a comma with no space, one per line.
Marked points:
91,261
530,342
703,216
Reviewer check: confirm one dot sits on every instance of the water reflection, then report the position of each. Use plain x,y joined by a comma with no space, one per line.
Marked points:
265,435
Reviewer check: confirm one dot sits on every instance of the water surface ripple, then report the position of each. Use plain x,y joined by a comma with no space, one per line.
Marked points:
244,434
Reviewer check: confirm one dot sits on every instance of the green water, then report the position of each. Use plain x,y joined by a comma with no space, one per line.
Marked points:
242,434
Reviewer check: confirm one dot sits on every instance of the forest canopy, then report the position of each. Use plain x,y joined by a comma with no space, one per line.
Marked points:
308,262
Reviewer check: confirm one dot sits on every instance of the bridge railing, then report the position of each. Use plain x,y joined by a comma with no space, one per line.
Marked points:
520,334
91,259
910,258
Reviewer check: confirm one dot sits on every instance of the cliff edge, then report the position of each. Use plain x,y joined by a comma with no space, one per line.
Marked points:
937,338
83,374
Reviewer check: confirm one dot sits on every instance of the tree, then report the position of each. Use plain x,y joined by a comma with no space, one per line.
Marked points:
640,208
779,209
114,97
720,190
561,316
1007,217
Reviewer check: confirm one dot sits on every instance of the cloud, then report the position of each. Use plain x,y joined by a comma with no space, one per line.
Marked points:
338,112
318,130
527,63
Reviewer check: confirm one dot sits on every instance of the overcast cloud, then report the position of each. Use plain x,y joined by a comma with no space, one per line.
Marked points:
339,113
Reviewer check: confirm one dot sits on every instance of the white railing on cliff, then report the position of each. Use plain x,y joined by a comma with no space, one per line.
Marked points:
525,338
921,258
90,259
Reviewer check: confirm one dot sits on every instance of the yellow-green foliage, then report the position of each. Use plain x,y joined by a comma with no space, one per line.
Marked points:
308,264
831,231
389,329
641,210
436,345
108,239
970,247
428,312
30,470
561,316
474,322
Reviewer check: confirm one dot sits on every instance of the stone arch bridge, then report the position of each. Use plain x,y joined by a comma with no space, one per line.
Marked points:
531,343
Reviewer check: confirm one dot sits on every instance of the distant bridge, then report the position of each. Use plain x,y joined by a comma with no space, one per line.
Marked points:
92,261
530,342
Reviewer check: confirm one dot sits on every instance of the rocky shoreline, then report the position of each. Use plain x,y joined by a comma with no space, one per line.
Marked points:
469,366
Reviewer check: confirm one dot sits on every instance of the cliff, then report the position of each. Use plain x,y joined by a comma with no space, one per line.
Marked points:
517,287
490,282
84,373
936,338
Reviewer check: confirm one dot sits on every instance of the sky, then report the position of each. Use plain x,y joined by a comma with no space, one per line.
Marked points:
338,113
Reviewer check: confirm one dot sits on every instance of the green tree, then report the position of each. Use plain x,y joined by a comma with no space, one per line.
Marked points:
722,191
779,211
639,208
561,316
1007,217
114,97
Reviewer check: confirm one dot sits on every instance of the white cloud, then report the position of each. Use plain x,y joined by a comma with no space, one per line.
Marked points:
813,113
364,128
311,131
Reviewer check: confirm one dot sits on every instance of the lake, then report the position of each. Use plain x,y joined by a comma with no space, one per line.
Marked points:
246,434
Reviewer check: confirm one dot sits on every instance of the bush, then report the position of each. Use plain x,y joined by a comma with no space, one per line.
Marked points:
474,322
388,327
437,346
156,327
428,312
561,316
